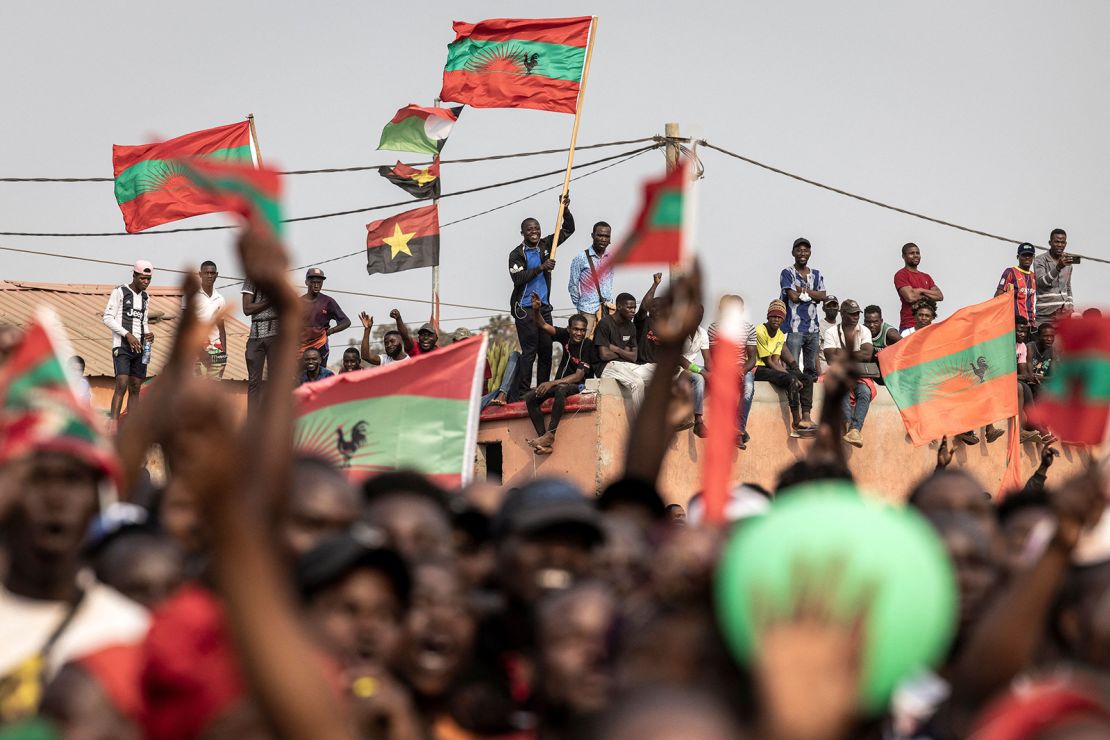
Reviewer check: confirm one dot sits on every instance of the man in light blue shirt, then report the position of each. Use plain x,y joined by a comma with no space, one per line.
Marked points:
583,293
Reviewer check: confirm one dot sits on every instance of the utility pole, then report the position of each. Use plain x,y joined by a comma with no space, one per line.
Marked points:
672,150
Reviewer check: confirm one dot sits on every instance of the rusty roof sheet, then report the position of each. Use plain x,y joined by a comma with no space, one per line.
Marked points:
80,308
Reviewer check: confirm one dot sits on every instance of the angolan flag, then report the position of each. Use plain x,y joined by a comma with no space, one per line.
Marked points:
1074,401
238,187
419,414
40,408
150,188
517,63
418,129
958,374
403,242
417,183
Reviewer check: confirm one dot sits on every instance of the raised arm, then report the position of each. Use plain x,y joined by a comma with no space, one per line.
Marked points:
406,338
538,317
648,300
650,434
367,324
568,220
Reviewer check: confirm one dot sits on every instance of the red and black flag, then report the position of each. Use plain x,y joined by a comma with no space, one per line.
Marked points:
417,183
403,242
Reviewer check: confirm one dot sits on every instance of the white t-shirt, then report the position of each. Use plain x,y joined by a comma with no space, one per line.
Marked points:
834,338
693,346
105,617
207,307
386,359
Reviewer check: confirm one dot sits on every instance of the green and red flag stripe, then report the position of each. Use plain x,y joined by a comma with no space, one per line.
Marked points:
1074,401
416,182
418,129
420,414
254,193
656,236
403,242
958,374
40,406
150,189
517,63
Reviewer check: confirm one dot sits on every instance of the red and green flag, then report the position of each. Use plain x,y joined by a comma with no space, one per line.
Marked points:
150,189
419,183
657,234
420,414
517,63
958,374
403,242
40,406
1074,400
238,187
418,129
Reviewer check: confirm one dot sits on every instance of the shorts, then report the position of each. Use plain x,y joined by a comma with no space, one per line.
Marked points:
127,362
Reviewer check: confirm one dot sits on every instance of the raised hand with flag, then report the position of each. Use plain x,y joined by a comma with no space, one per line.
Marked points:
1074,401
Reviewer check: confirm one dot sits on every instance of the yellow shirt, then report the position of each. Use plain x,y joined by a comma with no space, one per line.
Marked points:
766,345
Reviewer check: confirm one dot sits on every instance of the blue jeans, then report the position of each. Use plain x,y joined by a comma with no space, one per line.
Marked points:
749,394
506,380
805,347
697,383
854,417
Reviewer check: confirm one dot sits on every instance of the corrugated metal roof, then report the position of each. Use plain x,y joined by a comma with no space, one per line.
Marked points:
80,308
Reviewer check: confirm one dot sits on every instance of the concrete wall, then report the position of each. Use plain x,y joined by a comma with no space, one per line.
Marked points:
590,449
103,387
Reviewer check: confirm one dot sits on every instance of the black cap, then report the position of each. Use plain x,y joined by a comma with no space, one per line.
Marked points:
1026,248
544,503
800,241
315,272
427,329
361,546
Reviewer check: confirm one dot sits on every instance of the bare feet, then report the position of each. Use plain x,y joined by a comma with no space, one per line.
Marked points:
499,399
542,445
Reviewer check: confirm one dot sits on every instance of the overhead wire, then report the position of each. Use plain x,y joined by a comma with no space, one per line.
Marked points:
626,156
333,214
363,168
881,204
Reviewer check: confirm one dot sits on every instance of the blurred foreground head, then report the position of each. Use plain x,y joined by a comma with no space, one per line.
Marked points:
545,533
413,512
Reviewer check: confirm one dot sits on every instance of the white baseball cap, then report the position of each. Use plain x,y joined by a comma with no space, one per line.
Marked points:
142,267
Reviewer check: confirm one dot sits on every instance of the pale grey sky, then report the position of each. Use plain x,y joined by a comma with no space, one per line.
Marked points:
990,114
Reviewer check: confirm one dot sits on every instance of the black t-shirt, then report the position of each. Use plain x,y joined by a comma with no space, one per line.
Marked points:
575,356
611,330
647,340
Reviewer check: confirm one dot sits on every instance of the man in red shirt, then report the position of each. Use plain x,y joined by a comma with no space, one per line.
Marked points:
913,285
1022,282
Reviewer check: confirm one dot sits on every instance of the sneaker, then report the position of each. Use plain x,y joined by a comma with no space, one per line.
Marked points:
745,437
968,438
1030,435
854,438
684,425
700,430
993,433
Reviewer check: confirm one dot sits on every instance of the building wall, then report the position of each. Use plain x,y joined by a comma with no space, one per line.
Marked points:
590,449
103,387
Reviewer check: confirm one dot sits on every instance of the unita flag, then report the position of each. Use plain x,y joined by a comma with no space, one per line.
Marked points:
1074,401
517,63
956,375
419,414
150,188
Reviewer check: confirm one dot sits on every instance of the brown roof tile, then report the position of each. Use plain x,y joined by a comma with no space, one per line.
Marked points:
80,308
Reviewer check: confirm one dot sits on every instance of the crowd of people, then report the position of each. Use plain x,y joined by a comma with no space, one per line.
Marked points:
253,592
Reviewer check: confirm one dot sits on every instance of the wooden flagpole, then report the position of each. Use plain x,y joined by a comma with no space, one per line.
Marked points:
435,270
574,136
254,139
